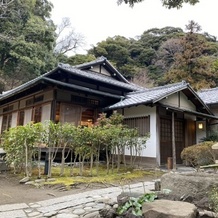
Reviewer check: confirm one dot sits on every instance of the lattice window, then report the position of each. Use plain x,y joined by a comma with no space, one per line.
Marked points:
141,123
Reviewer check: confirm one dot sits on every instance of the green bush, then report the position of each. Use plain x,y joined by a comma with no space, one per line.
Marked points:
213,199
211,136
199,154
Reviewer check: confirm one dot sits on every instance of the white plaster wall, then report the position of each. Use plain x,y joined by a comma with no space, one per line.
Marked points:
28,116
173,100
103,70
46,112
14,119
139,111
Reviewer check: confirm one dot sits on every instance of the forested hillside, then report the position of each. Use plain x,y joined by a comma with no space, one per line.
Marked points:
30,45
161,56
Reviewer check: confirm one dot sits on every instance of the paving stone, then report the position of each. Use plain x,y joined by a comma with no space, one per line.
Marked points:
13,214
91,215
9,207
65,215
79,211
115,206
97,197
33,214
87,208
49,214
99,206
34,205
78,207
86,205
91,204
29,210
65,211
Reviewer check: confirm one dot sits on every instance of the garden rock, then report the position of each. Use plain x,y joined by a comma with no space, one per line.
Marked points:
169,209
24,180
125,196
107,213
189,184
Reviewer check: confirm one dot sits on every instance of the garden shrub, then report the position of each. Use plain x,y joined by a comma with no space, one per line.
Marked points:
211,136
199,154
213,199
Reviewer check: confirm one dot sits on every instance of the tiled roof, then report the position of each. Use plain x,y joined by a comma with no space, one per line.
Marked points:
103,60
99,77
73,70
94,62
152,95
209,96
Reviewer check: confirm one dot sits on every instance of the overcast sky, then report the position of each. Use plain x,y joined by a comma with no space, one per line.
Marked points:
98,19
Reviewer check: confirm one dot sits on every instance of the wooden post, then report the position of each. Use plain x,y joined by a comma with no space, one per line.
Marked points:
173,142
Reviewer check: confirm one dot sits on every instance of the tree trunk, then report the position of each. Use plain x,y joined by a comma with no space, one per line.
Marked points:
107,159
39,159
26,159
62,162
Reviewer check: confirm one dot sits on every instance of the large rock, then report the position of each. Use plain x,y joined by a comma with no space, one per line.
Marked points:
169,209
189,184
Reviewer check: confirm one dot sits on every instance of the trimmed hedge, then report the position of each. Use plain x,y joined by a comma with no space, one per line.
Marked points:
199,154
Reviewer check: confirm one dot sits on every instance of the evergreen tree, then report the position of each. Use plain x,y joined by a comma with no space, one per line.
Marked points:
26,42
192,63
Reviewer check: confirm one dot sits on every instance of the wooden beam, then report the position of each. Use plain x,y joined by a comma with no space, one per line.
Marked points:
173,141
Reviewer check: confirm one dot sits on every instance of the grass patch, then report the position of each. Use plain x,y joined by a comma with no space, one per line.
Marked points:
124,176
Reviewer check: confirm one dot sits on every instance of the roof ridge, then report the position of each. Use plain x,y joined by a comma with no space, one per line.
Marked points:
207,90
158,87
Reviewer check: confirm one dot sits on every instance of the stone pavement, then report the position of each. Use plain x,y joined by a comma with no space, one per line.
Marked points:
86,204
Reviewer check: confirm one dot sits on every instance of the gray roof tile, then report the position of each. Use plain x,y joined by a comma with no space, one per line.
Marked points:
150,95
75,71
100,77
209,96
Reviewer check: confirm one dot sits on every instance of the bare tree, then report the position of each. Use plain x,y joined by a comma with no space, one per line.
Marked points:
168,50
68,40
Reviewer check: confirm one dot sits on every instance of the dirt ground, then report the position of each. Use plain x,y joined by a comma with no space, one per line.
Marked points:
11,191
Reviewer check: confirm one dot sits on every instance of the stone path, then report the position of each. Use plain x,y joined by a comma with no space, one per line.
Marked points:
86,204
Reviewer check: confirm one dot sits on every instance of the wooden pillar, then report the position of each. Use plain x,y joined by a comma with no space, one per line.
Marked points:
173,141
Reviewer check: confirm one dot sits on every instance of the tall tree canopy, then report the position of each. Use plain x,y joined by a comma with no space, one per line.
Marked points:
26,42
192,62
167,3
165,55
117,50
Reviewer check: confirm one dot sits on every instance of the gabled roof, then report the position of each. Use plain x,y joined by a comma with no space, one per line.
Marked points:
97,77
107,65
209,96
156,94
100,77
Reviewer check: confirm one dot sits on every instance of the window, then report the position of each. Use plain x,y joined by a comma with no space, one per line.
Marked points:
87,117
37,115
84,101
8,108
20,118
70,113
34,100
141,123
6,122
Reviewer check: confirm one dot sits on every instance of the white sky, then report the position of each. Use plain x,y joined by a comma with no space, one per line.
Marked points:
98,19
